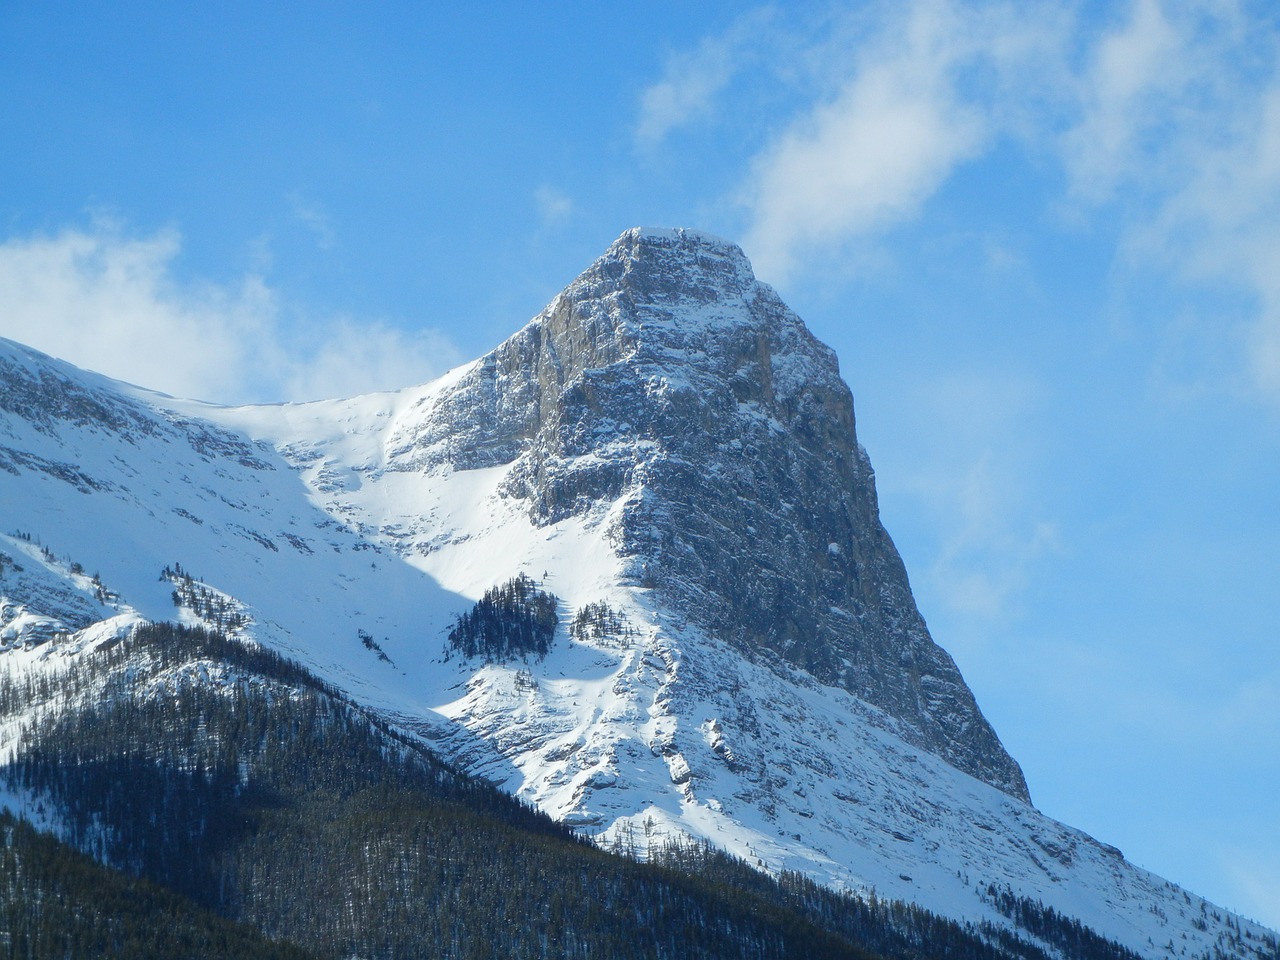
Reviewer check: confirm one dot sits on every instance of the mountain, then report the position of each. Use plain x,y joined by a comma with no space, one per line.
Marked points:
628,567
670,386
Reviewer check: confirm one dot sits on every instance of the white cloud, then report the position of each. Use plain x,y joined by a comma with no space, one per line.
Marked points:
1179,132
1135,75
988,546
354,357
1163,118
685,92
692,81
902,120
111,303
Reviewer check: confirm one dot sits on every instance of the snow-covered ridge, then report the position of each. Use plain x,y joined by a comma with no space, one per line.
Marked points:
665,432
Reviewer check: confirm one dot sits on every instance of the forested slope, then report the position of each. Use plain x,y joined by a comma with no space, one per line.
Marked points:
240,782
57,903
231,776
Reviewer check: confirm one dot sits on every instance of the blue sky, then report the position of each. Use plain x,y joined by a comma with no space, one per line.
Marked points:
1044,240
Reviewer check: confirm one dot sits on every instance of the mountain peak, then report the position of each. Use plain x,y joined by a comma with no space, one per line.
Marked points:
668,391
668,268
677,244
694,249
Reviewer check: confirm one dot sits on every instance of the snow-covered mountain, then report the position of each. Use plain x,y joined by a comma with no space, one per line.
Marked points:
670,452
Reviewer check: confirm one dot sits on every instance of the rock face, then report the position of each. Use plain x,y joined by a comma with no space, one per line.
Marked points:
668,380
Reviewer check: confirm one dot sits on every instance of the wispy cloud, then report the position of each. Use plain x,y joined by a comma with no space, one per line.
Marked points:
1232,204
1219,222
693,80
315,217
919,99
554,206
355,356
988,551
1179,131
1256,879
112,303
1163,119
964,476
1132,79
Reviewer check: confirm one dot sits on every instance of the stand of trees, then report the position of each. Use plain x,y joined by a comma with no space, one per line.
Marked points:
515,619
600,623
213,608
